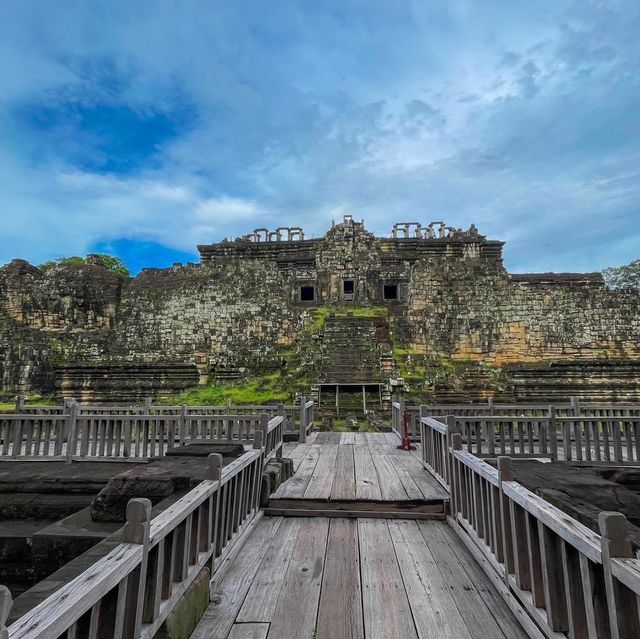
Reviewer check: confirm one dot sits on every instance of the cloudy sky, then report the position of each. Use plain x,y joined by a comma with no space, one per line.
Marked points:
143,128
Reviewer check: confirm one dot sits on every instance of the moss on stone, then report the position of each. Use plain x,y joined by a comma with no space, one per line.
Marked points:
183,619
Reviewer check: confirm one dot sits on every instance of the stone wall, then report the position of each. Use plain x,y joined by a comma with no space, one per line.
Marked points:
79,328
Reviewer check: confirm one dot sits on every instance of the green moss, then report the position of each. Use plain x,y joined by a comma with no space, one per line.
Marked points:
268,388
319,315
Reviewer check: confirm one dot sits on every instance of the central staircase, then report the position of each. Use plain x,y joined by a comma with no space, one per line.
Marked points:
352,351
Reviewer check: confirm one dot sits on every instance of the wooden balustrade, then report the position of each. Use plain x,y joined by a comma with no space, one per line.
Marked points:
32,436
130,436
130,592
572,408
571,581
560,438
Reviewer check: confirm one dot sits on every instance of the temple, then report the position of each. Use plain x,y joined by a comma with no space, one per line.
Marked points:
430,304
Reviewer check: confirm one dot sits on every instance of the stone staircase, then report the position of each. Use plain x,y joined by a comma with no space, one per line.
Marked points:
350,350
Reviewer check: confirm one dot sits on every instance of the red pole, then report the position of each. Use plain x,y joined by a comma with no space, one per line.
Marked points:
406,442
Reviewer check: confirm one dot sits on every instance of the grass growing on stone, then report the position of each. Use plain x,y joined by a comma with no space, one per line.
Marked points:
321,314
266,389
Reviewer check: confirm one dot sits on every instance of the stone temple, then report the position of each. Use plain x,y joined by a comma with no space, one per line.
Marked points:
344,313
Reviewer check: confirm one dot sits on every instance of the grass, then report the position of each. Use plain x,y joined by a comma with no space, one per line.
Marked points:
321,314
266,389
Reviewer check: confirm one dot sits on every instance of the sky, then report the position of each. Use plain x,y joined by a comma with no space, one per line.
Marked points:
144,128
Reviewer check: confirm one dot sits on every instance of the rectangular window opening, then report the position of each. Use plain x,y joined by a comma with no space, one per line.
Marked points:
390,292
348,287
307,293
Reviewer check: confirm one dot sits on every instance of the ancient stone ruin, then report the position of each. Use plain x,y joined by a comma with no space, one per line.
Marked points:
348,308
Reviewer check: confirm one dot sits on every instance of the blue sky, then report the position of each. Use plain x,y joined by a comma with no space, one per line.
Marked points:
143,128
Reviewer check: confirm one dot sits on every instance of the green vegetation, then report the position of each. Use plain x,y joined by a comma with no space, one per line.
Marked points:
110,262
320,314
627,276
8,404
256,390
427,375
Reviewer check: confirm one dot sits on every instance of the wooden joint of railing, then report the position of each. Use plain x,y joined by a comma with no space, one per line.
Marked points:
214,467
620,600
136,529
258,439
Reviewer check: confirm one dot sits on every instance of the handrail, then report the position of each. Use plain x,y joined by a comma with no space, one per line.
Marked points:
570,580
143,576
137,435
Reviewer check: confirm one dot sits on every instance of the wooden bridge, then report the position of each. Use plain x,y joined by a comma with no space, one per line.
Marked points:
364,541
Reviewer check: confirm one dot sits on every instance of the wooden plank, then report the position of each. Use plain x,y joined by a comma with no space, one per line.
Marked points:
321,480
229,592
431,598
384,601
428,486
262,597
340,611
479,603
296,485
249,631
344,482
296,611
367,485
391,485
364,514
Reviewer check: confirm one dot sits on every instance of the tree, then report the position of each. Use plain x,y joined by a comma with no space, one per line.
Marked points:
110,262
627,276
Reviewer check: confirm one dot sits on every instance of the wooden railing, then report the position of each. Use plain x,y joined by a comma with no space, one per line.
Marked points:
130,592
115,436
574,407
570,581
306,418
290,412
559,438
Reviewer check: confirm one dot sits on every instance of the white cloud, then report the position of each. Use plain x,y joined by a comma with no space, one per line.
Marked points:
520,117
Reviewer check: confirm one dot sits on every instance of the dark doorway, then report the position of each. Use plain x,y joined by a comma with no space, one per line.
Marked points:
348,288
390,292
307,293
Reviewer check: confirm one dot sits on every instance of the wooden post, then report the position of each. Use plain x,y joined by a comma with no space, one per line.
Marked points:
505,473
148,403
214,468
454,483
5,607
303,421
136,531
20,403
450,422
621,602
182,423
264,429
490,405
575,406
258,438
552,436
364,400
72,434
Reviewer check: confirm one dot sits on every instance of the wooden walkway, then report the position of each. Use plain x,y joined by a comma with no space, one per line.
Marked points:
357,474
304,578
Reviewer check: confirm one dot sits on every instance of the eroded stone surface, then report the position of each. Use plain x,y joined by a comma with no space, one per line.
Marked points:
87,332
